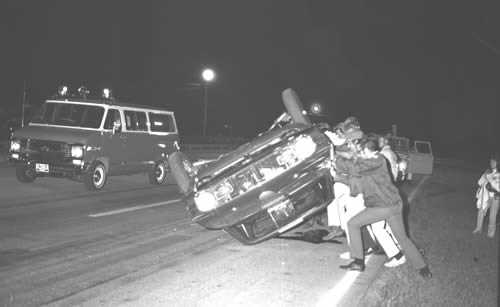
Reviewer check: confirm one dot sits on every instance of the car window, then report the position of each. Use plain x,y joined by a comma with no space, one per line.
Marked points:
423,147
135,120
399,144
161,122
112,116
69,114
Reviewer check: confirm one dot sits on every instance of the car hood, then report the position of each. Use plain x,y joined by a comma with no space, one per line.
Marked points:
58,134
262,141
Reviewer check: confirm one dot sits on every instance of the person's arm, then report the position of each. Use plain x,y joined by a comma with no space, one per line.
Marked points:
482,180
369,166
490,188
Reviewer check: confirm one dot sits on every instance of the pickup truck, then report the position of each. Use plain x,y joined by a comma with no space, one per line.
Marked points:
416,158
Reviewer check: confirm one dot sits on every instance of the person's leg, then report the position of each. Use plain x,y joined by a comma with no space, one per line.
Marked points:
333,213
409,248
352,206
385,239
480,217
367,216
336,209
492,225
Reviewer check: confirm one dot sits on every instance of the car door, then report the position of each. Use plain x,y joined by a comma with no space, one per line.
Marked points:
115,142
422,158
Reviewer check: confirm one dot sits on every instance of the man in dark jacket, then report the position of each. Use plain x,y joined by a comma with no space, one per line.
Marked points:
382,202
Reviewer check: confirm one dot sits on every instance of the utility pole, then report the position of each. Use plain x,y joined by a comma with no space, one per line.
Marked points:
205,106
23,104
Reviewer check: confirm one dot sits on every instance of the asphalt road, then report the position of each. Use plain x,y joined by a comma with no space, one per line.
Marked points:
133,245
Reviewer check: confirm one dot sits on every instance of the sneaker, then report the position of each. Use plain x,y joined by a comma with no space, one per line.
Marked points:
356,265
477,230
345,255
394,262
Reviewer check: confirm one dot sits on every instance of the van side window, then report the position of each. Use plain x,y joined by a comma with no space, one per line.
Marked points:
161,122
112,116
135,120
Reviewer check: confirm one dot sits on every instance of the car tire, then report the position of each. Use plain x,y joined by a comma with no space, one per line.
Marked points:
25,174
183,172
95,178
294,107
159,173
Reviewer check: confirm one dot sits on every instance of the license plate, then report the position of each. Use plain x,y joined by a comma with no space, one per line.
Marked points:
42,168
282,212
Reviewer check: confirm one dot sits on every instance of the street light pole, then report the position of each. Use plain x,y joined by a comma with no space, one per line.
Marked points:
208,75
205,105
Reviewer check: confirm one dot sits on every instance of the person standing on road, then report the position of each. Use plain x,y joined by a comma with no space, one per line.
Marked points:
488,197
383,202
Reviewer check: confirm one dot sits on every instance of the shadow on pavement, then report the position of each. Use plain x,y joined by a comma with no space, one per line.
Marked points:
312,236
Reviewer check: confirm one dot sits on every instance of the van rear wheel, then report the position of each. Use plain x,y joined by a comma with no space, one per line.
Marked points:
159,173
25,174
95,178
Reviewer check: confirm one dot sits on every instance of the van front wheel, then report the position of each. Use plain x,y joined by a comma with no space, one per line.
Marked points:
159,174
95,178
25,174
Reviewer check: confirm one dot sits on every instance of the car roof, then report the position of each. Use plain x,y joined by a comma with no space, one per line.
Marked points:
108,102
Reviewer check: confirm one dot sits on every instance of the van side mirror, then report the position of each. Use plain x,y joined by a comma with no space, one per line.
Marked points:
117,126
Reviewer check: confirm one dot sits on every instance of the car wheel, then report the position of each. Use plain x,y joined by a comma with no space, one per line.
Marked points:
182,171
294,107
95,178
25,174
159,174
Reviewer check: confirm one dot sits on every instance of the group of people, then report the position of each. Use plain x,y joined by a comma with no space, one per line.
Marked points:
367,199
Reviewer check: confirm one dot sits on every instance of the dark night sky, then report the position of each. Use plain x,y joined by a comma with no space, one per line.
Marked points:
431,67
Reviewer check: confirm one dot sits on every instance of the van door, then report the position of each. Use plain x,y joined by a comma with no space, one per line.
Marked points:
138,144
422,159
164,135
115,142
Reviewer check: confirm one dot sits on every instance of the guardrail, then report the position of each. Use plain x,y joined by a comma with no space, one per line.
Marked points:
200,147
206,151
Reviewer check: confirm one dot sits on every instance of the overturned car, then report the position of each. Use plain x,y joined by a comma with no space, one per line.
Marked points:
266,186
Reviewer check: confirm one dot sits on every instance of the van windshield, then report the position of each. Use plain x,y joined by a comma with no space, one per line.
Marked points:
69,114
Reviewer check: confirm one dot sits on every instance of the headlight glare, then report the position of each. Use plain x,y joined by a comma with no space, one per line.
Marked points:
77,151
304,147
205,201
298,150
15,145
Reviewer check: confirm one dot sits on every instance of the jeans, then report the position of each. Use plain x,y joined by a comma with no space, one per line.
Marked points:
394,217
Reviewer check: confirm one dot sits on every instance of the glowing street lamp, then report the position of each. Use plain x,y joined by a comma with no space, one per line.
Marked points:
208,76
316,108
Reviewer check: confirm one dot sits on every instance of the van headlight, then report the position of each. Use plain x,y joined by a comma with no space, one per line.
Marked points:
205,201
15,145
77,151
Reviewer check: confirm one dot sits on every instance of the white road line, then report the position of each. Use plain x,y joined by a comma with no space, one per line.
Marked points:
129,209
417,188
336,294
